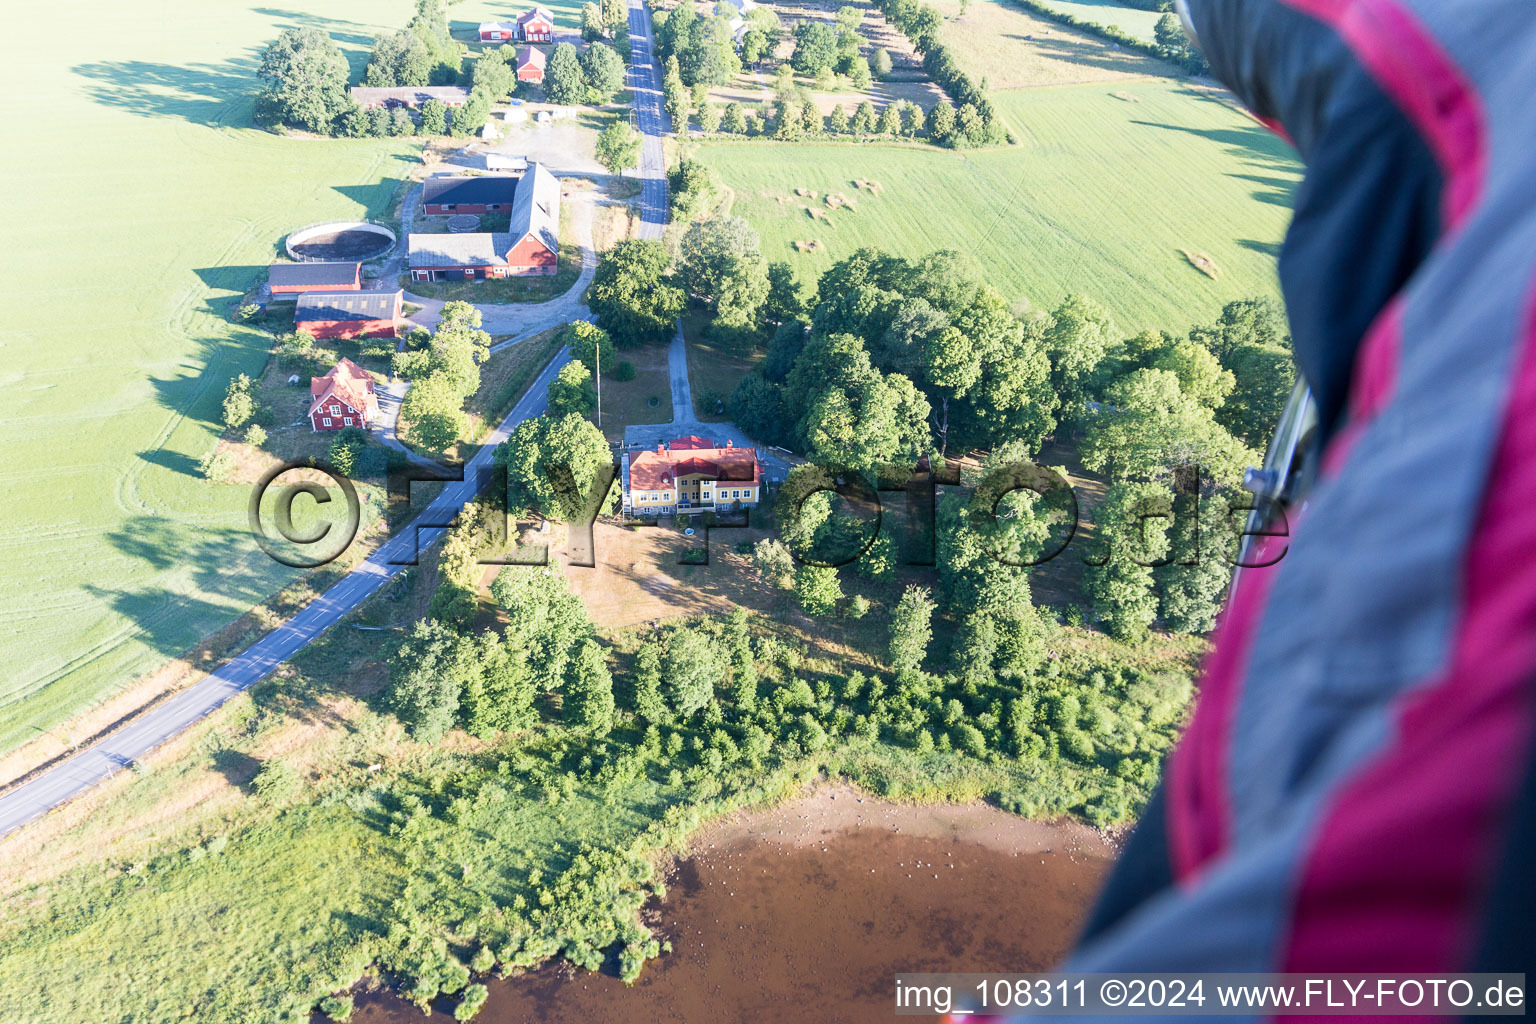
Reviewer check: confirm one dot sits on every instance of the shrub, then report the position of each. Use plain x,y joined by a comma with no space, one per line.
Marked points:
277,782
239,402
337,1008
218,466
625,371
256,435
247,312
858,607
469,1006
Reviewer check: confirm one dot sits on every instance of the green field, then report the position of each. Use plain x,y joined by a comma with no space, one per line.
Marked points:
1129,20
1109,183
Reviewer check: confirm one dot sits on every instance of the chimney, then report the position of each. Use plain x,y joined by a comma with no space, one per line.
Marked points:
729,443
660,448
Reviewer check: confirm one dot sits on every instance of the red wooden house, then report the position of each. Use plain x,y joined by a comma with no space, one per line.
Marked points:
342,398
530,65
531,245
298,278
536,25
349,314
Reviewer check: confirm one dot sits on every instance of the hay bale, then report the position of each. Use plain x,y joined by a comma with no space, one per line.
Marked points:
1203,263
805,193
1125,96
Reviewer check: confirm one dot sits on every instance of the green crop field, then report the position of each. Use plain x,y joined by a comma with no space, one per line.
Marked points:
1129,20
138,205
1110,185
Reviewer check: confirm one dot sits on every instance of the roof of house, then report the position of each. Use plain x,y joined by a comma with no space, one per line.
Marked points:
470,188
497,26
533,12
417,94
531,55
347,381
330,306
536,211
656,469
312,275
474,249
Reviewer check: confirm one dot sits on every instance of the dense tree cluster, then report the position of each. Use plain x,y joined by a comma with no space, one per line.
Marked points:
443,373
306,81
697,49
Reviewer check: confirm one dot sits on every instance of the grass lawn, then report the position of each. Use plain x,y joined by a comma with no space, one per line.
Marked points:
116,556
1012,47
1129,20
1109,184
646,399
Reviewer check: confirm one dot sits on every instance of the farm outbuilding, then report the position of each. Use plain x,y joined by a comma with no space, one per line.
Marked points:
530,245
468,193
342,398
530,65
409,96
498,31
298,278
349,314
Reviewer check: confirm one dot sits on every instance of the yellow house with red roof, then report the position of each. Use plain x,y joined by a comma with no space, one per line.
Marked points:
690,475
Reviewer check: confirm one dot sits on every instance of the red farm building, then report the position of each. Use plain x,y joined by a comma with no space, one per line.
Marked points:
530,245
298,278
349,314
485,193
530,65
498,31
342,398
536,25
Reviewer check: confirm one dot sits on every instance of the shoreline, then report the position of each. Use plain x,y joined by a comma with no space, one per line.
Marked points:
832,807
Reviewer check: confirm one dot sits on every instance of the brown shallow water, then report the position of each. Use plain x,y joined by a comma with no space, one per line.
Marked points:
808,912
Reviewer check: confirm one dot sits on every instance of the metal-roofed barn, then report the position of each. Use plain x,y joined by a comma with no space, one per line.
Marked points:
349,314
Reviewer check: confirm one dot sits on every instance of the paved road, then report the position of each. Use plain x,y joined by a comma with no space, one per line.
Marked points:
118,751
91,766
652,122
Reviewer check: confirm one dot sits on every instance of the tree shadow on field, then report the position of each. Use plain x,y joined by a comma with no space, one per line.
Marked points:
1092,52
1255,145
1275,191
212,94
199,395
1271,249
207,94
237,767
172,460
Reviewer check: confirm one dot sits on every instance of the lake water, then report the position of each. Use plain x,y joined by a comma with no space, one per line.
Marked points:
810,910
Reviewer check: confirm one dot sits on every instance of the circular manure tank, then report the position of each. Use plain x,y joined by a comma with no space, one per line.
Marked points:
340,241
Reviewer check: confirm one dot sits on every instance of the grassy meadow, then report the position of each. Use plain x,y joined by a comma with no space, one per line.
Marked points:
1110,182
1130,20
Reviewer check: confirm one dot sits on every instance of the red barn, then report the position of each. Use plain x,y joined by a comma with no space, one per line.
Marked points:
530,65
342,398
531,245
349,314
536,25
298,278
497,31
485,193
